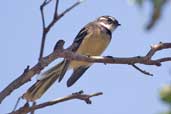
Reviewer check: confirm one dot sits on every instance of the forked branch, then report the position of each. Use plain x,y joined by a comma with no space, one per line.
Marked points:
78,95
55,19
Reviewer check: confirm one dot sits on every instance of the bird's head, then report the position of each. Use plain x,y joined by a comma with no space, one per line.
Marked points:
108,22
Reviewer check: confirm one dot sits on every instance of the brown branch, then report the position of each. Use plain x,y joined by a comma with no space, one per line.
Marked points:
69,9
15,107
142,71
42,62
55,19
44,33
42,13
29,73
56,9
157,47
66,53
78,95
163,59
32,111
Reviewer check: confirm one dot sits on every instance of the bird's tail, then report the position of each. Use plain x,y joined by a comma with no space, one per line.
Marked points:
48,78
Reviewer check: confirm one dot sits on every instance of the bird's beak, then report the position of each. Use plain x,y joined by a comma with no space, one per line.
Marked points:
119,24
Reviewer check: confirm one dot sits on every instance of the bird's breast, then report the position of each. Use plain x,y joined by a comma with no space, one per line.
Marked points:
93,45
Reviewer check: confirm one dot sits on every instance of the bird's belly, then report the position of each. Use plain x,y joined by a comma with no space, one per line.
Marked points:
92,47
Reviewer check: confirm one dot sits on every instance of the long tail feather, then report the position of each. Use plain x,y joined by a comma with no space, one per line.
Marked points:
48,78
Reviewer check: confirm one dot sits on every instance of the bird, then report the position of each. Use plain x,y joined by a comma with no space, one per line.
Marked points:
92,40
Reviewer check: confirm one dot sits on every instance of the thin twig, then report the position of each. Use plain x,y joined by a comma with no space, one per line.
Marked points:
46,2
56,9
15,107
157,47
61,15
69,9
77,95
44,33
142,71
34,104
66,53
52,23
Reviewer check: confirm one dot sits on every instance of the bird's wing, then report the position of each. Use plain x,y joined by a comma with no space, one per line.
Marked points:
79,38
76,75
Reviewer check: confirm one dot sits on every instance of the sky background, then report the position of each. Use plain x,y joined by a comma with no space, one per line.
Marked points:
126,90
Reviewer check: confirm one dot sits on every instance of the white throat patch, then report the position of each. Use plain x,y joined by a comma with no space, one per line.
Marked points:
109,27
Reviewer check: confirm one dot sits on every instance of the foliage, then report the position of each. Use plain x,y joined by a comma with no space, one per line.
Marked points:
165,95
156,10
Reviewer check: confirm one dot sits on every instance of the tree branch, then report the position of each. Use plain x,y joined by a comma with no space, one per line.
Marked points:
78,95
56,18
44,33
142,71
59,52
56,9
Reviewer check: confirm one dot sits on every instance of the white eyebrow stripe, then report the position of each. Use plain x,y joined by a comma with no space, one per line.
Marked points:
101,18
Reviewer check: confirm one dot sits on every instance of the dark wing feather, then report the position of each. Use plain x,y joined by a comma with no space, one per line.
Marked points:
76,75
79,38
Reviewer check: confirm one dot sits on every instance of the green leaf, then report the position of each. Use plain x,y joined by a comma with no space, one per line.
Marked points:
165,94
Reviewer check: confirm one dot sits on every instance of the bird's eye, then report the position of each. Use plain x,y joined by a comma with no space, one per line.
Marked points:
110,21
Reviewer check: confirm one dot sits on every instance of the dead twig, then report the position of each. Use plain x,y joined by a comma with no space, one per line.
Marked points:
56,18
78,95
142,71
15,107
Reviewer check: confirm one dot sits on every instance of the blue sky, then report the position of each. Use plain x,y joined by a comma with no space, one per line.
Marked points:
126,90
